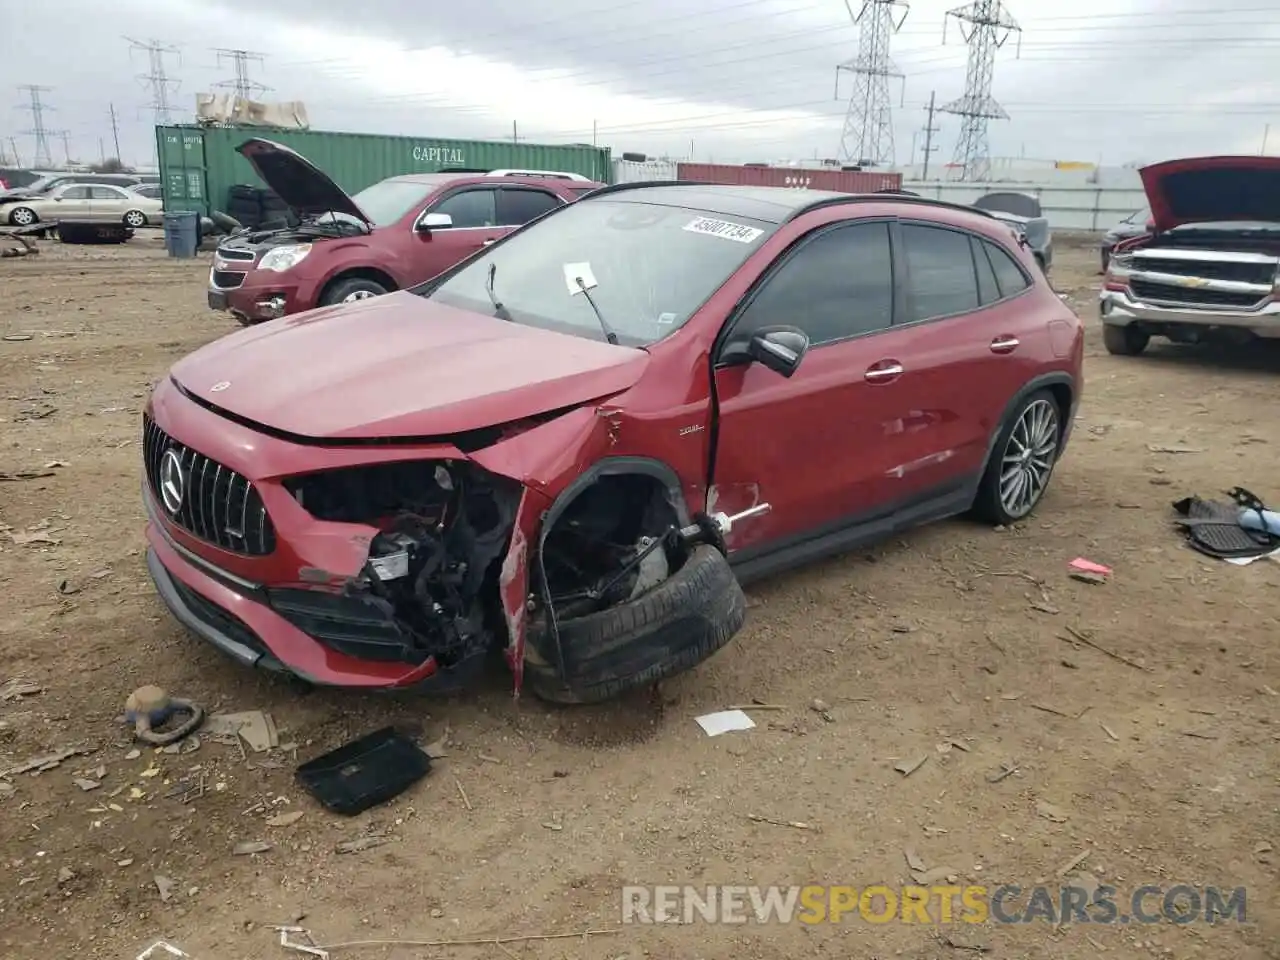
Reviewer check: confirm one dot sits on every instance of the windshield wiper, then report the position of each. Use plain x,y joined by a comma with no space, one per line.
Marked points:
608,331
499,310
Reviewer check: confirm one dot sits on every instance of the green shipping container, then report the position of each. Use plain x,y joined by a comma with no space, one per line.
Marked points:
199,164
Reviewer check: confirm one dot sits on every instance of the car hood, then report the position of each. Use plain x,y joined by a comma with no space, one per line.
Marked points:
400,366
1212,189
306,188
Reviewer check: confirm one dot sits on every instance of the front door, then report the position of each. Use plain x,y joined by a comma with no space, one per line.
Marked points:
107,203
73,203
818,447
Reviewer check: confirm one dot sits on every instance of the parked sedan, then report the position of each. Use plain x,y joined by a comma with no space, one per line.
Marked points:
1134,225
88,201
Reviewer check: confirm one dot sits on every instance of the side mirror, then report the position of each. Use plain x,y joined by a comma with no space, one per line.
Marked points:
779,348
434,221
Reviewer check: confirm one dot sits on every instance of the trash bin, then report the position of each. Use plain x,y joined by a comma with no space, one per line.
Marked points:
182,233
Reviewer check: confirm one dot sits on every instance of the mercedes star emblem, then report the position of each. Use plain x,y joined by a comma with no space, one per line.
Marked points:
220,386
173,481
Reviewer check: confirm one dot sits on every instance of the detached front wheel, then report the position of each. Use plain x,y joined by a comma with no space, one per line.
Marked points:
671,628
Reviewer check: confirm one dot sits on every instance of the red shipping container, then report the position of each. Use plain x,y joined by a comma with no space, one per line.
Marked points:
796,178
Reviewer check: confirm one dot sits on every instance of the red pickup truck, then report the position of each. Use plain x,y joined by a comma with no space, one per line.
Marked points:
391,235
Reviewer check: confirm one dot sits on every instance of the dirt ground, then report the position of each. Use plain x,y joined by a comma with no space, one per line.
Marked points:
1156,764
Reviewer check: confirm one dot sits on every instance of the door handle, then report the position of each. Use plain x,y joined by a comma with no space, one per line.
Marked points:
488,242
1004,344
889,370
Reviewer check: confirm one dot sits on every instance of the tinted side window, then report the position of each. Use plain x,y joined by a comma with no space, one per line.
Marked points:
471,208
106,193
1008,274
75,193
988,288
837,285
516,207
940,267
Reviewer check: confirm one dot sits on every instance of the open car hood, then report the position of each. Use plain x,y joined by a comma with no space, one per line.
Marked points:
297,181
399,367
1213,189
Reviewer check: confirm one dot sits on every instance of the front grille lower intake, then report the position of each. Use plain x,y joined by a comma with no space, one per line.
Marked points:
216,504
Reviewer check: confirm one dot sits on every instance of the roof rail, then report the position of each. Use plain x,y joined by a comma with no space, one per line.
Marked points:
549,174
886,197
642,184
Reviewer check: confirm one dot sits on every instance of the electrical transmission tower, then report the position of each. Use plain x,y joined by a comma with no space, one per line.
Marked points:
157,78
244,87
43,155
868,124
985,26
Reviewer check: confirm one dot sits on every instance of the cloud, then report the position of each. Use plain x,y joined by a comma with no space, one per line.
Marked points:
738,79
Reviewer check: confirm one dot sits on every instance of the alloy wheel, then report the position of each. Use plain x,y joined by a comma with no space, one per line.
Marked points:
358,295
134,219
1028,458
23,217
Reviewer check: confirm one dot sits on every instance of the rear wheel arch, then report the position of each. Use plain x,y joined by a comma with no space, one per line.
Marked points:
1060,385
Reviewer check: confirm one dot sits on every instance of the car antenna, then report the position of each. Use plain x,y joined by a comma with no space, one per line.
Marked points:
608,331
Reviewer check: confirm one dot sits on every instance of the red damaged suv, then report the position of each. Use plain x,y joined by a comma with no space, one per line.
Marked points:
387,237
575,446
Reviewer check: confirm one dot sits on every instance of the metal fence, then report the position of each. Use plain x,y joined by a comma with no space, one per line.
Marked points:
1081,207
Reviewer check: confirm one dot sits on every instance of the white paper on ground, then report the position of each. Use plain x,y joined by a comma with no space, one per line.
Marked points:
724,721
1245,561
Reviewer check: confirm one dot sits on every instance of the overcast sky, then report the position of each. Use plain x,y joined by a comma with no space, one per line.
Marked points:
729,80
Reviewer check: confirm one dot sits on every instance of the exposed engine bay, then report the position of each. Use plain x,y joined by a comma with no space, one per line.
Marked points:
444,529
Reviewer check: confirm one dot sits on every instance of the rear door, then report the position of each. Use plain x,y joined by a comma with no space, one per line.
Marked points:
959,330
518,205
474,210
107,203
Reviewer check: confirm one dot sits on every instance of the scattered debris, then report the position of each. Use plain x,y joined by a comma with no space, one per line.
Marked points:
17,688
322,951
18,337
48,761
246,847
908,767
286,819
757,706
1051,812
361,843
23,539
1156,448
66,875
794,824
822,709
1007,769
150,708
26,474
462,793
914,860
164,886
936,875
947,941
1080,637
1108,731
256,728
168,948
85,784
1073,863
724,721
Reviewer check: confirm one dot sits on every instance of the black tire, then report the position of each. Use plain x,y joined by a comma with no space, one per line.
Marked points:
1127,341
673,627
357,288
135,219
988,505
22,217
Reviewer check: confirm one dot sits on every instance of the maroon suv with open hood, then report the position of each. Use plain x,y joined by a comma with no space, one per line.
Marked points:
387,237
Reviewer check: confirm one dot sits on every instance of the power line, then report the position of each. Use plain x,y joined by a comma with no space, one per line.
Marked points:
115,129
989,26
867,137
37,107
244,87
65,137
157,78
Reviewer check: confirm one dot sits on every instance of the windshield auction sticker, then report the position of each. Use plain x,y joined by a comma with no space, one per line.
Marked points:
737,232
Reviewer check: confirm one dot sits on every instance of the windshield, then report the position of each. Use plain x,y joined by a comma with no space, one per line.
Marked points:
388,201
646,268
